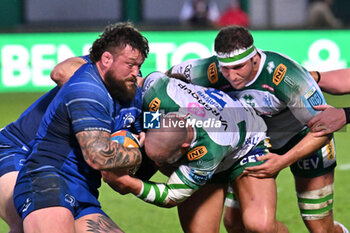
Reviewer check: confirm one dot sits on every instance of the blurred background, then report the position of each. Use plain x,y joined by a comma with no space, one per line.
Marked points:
37,34
90,15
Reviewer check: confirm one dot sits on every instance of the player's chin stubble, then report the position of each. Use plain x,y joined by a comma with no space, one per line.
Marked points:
121,89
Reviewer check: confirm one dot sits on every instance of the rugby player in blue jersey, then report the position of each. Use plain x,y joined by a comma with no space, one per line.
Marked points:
16,139
56,190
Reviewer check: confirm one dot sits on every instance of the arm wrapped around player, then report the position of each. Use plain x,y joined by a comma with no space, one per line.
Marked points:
160,194
166,195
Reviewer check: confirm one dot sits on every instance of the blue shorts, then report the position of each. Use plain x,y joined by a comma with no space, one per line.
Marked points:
48,187
12,155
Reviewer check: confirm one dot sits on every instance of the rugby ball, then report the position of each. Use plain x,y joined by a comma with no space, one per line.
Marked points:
125,138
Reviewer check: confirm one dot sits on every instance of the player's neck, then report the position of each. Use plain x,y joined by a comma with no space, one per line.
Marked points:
101,70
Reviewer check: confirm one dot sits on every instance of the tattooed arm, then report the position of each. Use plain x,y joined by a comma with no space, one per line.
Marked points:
103,154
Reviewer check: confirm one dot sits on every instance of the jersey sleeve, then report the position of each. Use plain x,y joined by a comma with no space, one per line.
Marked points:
160,194
185,180
203,72
151,80
89,107
300,93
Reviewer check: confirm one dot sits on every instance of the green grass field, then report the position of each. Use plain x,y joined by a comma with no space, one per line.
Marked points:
135,216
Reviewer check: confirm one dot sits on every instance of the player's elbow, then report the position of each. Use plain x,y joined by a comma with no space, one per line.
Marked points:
58,76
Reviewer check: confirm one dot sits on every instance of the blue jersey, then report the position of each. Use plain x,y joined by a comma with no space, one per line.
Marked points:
16,139
23,131
82,104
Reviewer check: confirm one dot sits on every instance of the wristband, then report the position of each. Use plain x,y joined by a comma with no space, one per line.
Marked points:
347,114
318,77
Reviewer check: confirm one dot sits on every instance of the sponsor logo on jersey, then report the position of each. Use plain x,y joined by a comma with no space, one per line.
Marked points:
187,72
268,87
267,101
330,151
270,67
207,99
196,109
267,143
26,205
309,163
289,81
197,153
70,199
200,177
212,73
21,162
313,97
252,156
147,84
249,99
154,105
279,73
128,119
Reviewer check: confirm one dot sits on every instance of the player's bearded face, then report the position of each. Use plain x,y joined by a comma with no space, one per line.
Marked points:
121,89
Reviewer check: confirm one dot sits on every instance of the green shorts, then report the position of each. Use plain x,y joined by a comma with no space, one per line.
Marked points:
317,164
249,160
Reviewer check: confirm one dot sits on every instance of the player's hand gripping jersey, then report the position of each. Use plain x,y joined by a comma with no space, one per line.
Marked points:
224,132
282,92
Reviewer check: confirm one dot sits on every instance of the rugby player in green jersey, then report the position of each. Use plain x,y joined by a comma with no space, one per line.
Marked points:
284,94
208,138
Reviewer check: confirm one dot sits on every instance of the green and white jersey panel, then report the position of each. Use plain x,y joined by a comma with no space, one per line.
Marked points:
282,92
233,129
203,72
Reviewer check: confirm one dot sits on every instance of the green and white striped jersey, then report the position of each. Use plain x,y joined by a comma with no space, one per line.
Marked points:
282,92
224,129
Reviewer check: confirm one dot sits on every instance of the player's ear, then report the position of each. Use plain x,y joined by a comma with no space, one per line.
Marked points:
255,59
106,59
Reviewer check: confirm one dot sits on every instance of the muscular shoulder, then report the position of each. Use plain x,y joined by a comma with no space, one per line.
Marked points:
206,152
202,71
283,76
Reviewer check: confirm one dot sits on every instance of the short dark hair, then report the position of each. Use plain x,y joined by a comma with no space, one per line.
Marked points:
231,38
118,35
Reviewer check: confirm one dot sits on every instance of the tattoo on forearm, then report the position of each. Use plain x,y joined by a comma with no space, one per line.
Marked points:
99,149
102,224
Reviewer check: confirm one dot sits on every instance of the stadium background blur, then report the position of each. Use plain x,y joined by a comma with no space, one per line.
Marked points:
35,35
